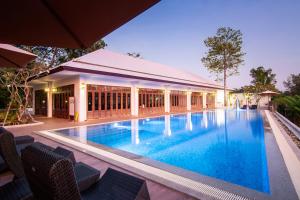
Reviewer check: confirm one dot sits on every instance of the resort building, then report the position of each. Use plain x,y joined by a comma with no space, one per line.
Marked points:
105,84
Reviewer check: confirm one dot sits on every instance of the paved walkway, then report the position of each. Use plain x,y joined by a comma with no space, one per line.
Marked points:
156,190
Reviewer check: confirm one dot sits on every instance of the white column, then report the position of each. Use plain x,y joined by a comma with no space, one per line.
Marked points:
167,131
49,99
135,131
81,102
167,100
134,101
188,100
204,99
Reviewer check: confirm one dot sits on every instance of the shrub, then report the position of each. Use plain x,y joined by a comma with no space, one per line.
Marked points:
289,106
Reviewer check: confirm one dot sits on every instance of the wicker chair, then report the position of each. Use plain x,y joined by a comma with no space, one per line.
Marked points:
20,143
85,175
16,190
52,177
9,154
24,139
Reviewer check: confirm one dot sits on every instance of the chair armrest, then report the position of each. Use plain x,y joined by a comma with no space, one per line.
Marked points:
26,139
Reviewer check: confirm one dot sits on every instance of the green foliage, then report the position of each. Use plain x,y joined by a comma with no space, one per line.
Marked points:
293,84
224,52
4,98
262,76
289,106
70,54
15,82
52,56
11,118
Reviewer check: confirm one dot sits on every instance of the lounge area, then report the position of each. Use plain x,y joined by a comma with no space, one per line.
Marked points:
80,161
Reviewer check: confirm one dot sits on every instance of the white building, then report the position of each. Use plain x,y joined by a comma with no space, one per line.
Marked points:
105,84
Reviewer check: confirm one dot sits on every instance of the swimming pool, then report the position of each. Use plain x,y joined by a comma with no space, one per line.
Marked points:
223,144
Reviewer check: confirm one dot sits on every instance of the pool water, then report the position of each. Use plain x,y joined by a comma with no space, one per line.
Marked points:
223,144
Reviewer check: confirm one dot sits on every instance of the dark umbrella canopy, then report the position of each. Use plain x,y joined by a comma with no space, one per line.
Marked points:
65,23
11,56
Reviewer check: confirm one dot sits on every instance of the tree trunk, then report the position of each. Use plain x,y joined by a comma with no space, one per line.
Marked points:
7,112
225,86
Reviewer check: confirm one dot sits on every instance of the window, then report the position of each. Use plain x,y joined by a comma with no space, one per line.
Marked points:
124,100
140,100
108,100
90,99
102,101
114,100
150,100
96,101
128,101
119,100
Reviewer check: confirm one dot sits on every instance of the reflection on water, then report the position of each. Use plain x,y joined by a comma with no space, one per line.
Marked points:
135,131
225,144
167,130
189,124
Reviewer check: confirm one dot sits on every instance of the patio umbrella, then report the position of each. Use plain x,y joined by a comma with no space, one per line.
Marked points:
67,23
11,56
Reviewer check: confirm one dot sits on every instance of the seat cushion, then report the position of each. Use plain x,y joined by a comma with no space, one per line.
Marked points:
116,185
25,139
85,175
16,190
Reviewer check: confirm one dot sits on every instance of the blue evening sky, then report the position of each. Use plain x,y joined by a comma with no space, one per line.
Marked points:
172,33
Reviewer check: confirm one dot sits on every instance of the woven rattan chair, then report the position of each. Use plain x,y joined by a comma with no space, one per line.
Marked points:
16,190
24,139
9,154
20,143
52,177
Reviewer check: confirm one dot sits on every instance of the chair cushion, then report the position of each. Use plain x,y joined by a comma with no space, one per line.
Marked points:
116,185
85,175
25,139
16,190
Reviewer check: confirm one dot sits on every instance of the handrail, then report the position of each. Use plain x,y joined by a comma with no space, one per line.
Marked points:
290,125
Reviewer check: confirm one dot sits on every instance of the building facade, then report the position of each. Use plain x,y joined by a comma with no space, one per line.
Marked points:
104,84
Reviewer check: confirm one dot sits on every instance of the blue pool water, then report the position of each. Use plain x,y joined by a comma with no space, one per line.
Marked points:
224,144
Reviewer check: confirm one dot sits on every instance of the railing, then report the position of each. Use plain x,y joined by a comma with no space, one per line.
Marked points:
290,125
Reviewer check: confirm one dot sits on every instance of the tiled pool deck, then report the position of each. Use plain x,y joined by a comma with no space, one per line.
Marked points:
157,191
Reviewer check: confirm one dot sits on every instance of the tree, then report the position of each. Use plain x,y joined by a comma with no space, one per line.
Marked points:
224,54
52,56
70,54
16,81
289,106
262,80
293,84
262,76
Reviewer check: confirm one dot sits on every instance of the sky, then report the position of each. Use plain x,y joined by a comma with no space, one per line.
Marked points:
172,33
